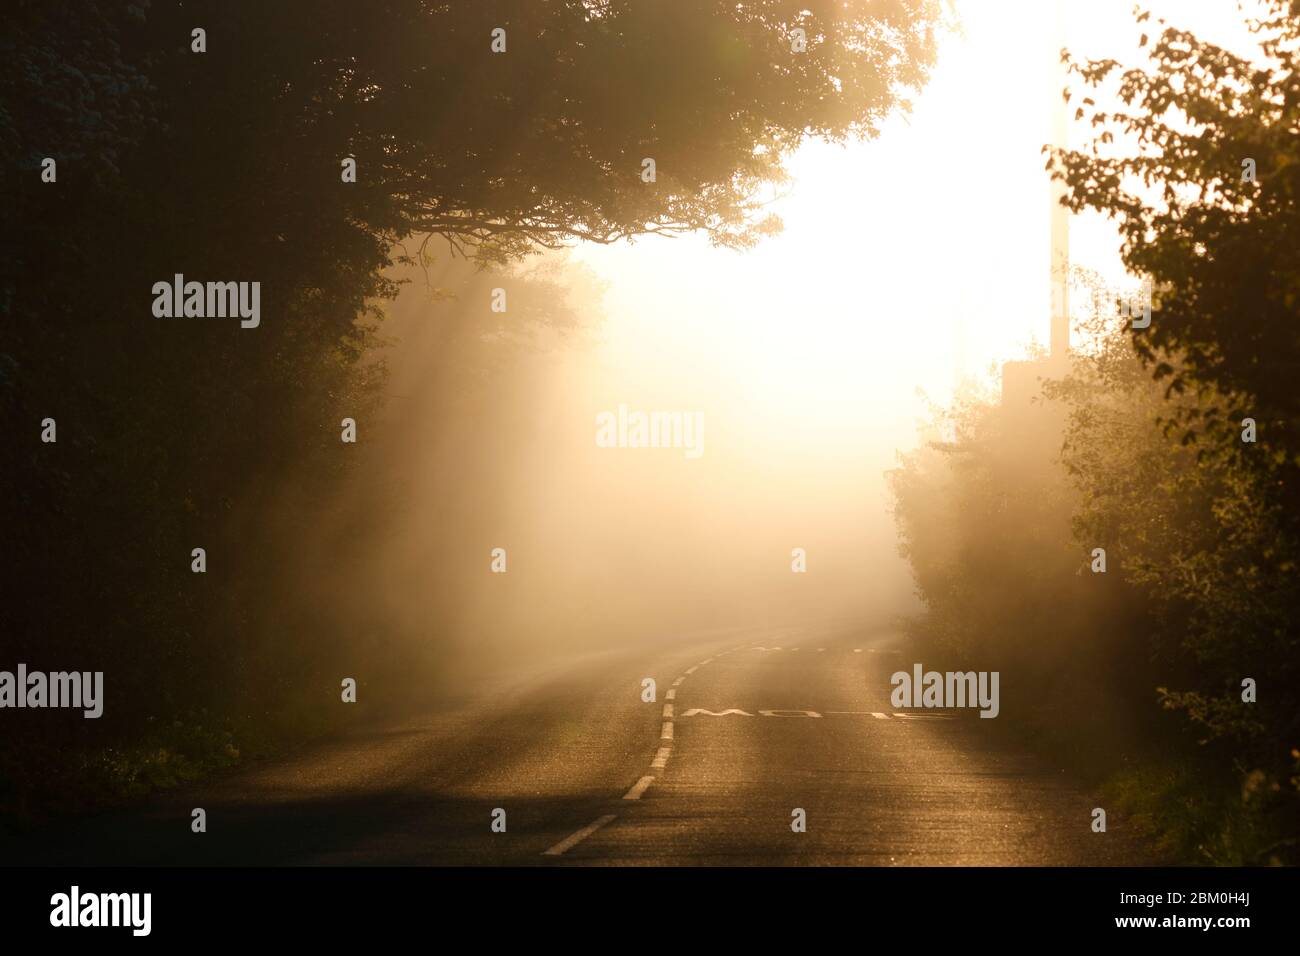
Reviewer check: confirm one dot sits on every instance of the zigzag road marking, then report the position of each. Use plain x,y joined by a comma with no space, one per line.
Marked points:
791,712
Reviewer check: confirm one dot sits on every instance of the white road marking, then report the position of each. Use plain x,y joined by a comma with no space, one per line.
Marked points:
638,788
667,732
668,709
569,842
926,716
820,649
692,670
661,758
671,695
795,712
678,681
857,650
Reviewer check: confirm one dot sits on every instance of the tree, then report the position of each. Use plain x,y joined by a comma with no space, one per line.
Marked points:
1200,169
225,165
1206,194
543,142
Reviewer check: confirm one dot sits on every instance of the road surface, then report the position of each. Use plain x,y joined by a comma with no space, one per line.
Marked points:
748,727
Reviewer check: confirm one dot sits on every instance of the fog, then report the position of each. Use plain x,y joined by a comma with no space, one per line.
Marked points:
486,437
902,277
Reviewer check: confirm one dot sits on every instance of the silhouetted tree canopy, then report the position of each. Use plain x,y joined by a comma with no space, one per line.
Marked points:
1219,245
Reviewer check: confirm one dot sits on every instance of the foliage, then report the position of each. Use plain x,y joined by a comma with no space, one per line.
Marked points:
1218,245
1200,528
1199,592
225,165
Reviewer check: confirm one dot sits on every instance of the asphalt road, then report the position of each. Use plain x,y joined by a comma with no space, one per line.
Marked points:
588,773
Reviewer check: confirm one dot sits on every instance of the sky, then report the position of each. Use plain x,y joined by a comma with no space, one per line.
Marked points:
908,260
907,263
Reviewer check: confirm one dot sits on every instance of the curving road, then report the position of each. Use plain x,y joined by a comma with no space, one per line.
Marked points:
587,773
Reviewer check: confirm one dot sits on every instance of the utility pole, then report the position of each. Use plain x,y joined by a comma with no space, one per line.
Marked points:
1059,215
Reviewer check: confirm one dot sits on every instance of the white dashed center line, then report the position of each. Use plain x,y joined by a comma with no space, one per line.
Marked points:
660,761
638,788
569,842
